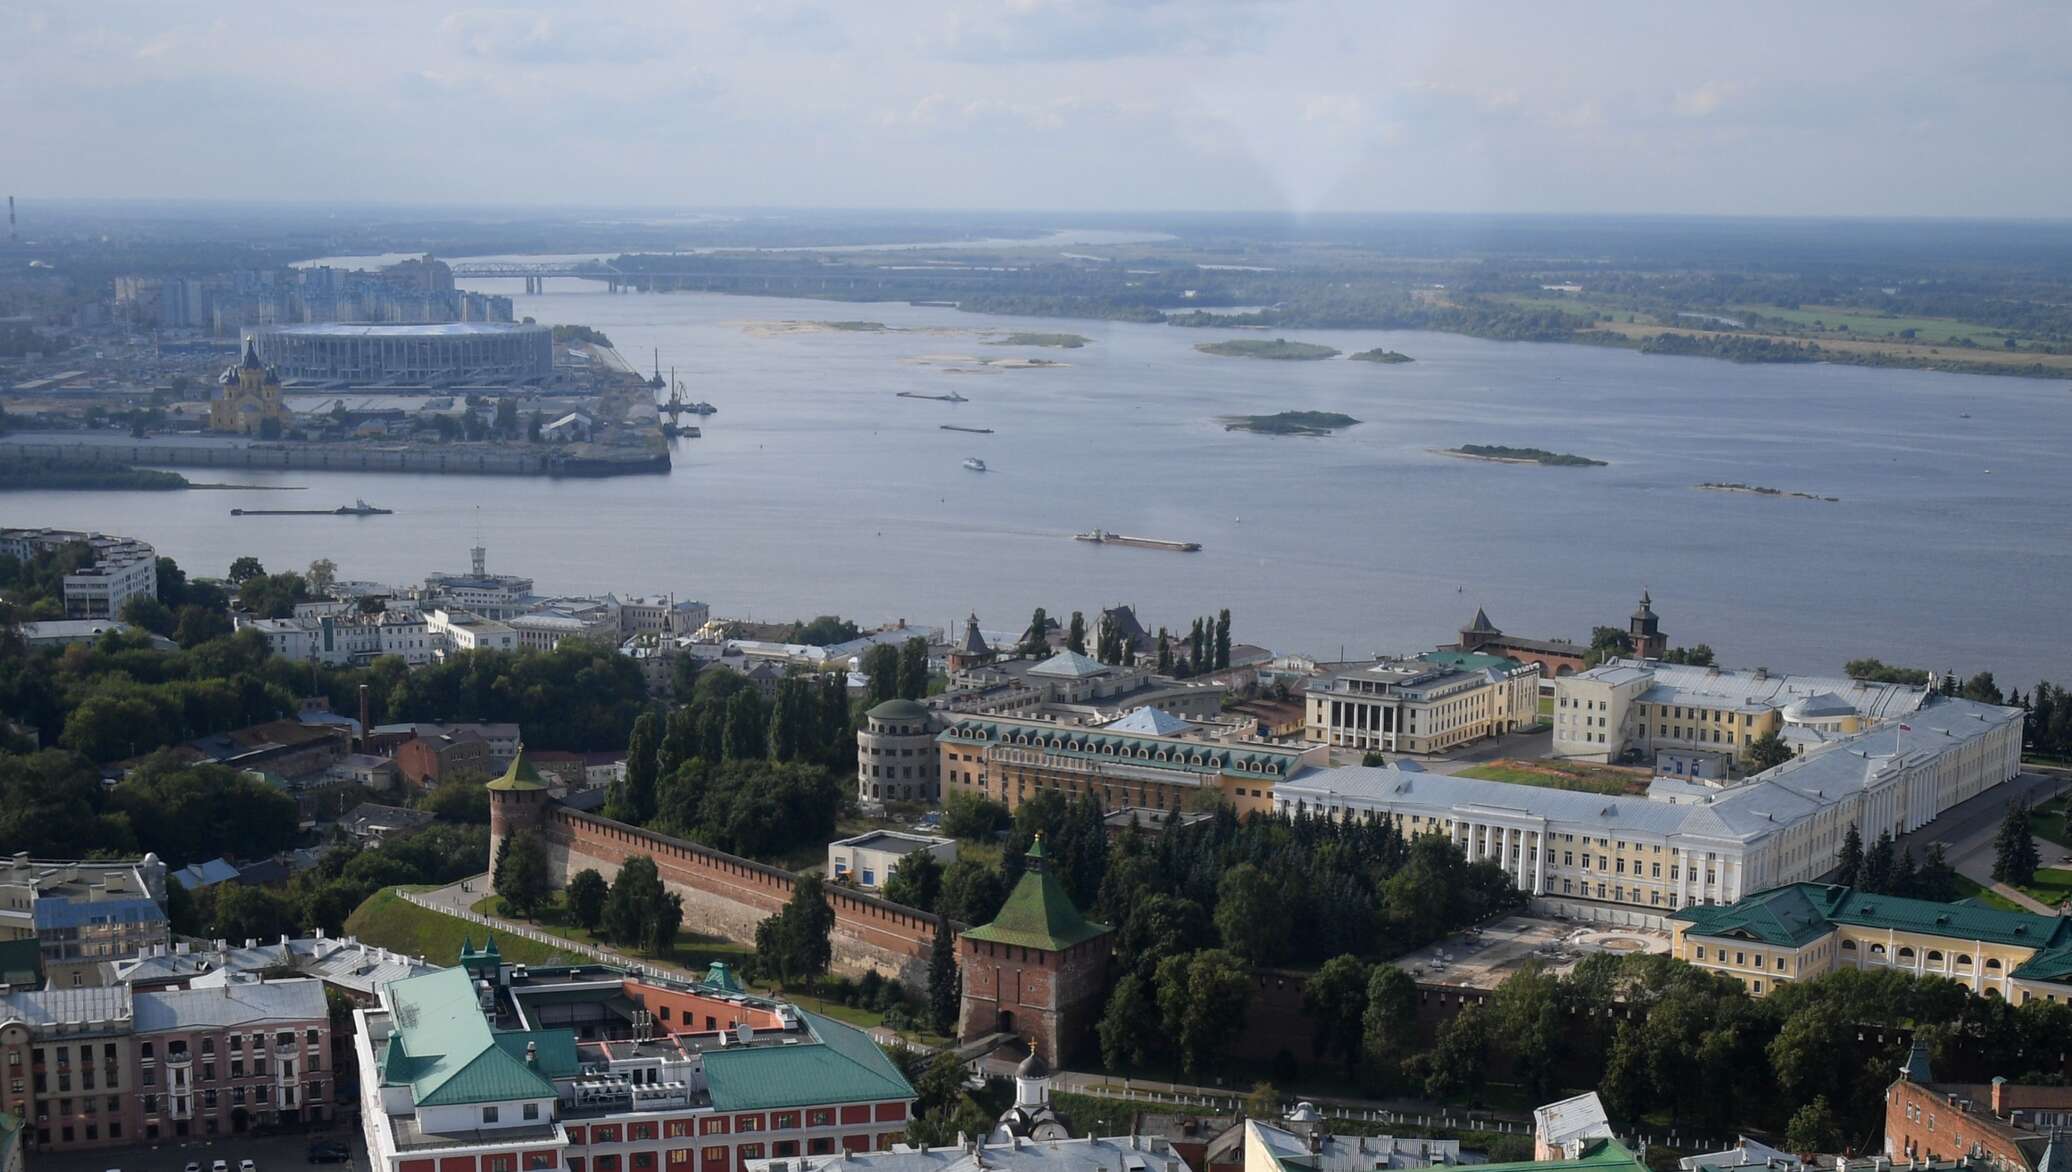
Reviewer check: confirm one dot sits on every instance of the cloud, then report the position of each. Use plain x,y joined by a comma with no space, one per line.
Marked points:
507,37
1706,100
987,32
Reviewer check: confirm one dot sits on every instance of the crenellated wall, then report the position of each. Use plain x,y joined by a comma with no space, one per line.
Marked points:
726,895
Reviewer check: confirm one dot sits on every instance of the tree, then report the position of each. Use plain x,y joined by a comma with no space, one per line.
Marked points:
1388,1026
2015,858
1457,1066
972,892
797,943
1878,863
1129,1027
881,665
149,613
1222,638
1249,915
273,596
1981,688
1036,640
945,990
321,576
507,417
1766,752
1165,652
586,895
1335,997
1814,1129
198,625
632,797
747,727
916,881
1527,1023
1936,879
638,910
1849,864
1075,634
973,818
521,876
913,668
1264,1102
245,569
1202,998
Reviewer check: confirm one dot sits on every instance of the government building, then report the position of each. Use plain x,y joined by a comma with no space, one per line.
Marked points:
1635,860
1435,702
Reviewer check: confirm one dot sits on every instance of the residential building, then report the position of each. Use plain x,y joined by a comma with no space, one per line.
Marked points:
375,824
2000,1125
867,860
496,1068
343,963
896,756
1422,705
1007,759
1633,860
546,624
1803,930
113,1066
347,638
1037,970
65,632
430,758
288,749
1635,707
82,913
661,614
479,592
121,568
1077,688
459,630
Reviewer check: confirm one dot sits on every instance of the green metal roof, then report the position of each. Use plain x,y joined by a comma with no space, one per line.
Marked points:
719,976
519,776
445,1052
1600,1154
897,709
1801,912
845,1067
1181,753
1038,913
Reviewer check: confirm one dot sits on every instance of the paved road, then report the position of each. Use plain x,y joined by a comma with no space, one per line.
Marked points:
272,1153
1966,831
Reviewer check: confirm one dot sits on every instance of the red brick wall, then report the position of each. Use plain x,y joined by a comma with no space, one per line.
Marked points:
1922,1123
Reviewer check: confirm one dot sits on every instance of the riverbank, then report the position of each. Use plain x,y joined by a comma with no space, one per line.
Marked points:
98,451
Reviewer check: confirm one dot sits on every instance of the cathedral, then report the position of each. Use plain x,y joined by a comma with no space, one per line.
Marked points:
248,396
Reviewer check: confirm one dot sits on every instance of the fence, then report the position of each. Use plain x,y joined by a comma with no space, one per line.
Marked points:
559,943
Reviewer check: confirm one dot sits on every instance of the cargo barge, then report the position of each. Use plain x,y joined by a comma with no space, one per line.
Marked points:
1103,537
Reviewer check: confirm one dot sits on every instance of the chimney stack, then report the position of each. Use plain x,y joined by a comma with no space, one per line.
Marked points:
366,728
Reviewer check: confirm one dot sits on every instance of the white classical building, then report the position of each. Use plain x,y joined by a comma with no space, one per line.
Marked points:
122,568
1424,705
1631,859
458,630
347,638
1642,705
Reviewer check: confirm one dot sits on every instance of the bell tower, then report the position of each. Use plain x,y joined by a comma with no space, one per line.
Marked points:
1644,630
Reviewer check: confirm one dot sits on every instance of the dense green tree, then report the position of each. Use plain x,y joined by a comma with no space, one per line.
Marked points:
1222,639
1814,1128
1456,1069
796,944
913,668
1129,1029
1937,879
881,667
458,798
972,818
586,894
631,796
1849,863
1202,1000
916,881
679,742
747,727
1765,752
245,569
1335,998
945,990
2015,858
1075,633
244,912
521,876
1249,916
273,596
972,892
638,911
1526,1020
197,625
149,613
1165,652
1878,864
1036,640
1388,1023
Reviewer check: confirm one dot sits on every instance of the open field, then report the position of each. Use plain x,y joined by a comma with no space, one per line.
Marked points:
1928,330
1593,779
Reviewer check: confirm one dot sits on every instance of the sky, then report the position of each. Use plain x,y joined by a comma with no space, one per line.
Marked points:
1955,108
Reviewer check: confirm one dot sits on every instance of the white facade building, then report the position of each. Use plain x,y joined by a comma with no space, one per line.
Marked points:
348,638
1639,705
1421,706
1633,860
122,568
867,860
458,630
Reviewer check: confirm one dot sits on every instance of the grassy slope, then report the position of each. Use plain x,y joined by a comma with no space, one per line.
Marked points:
387,921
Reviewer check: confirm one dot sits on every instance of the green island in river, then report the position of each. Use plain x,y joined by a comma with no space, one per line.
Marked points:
1503,455
49,474
1288,423
1378,354
1279,348
1060,341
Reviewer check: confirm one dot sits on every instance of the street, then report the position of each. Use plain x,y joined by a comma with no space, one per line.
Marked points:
271,1153
1967,830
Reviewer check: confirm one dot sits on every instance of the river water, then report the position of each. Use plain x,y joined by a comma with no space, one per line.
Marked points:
816,490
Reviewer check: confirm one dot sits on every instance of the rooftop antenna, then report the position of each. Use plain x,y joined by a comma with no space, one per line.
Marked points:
479,554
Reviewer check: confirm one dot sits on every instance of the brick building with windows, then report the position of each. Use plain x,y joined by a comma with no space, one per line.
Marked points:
1037,970
108,1067
2001,1125
494,1067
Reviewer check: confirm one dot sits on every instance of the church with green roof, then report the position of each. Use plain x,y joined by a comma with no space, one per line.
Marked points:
1037,970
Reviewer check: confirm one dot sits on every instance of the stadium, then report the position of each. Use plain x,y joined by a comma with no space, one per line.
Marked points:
483,353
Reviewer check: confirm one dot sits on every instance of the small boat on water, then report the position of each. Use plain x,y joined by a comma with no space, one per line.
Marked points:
952,397
975,464
1103,537
971,430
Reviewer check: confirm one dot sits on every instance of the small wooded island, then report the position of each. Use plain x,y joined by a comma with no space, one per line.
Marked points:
1762,490
1503,455
1380,355
49,474
1059,341
1279,348
1289,423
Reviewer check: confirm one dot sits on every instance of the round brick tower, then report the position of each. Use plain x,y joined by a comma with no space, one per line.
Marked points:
517,801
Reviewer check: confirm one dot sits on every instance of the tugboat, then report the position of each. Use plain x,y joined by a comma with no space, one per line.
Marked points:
975,464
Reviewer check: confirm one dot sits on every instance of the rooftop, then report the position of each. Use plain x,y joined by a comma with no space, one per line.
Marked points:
1793,915
440,330
892,840
1038,913
1115,1154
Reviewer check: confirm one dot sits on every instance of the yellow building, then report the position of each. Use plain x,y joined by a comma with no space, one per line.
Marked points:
1807,929
249,396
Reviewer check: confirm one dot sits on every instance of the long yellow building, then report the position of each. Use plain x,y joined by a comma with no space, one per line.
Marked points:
1791,933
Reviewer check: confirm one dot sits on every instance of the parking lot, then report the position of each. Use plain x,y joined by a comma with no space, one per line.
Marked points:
269,1153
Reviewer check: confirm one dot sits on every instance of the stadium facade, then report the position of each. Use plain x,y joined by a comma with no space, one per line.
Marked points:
407,355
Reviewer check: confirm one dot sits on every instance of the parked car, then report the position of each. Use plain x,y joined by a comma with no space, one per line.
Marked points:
247,1165
329,1151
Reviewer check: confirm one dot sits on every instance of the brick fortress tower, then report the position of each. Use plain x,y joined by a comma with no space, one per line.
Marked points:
517,801
1036,971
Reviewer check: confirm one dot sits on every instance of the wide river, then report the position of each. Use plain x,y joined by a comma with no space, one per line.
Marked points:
816,490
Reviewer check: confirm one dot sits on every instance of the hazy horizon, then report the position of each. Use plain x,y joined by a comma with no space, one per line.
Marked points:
1299,107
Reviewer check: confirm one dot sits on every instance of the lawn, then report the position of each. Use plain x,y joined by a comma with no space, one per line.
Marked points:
386,920
2052,886
1594,779
1968,889
2047,821
1869,324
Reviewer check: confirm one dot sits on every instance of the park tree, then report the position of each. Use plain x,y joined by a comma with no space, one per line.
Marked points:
1250,918
1456,1069
586,895
1202,999
972,892
142,610
1222,655
679,741
2015,857
1878,865
1765,752
881,668
1335,997
1388,1023
521,876
1814,1129
747,727
916,881
797,944
1036,640
1528,1024
1129,1028
322,575
1937,879
1849,863
944,987
1165,651
1075,634
245,569
639,911
631,798
913,668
